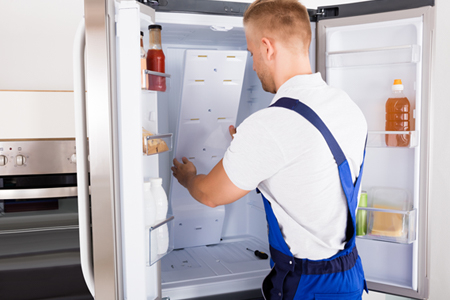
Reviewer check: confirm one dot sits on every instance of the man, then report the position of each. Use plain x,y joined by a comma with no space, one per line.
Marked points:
305,155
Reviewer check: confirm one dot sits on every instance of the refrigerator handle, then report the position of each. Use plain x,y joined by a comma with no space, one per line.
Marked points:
82,157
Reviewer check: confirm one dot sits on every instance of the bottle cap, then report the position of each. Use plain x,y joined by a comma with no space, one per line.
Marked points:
156,181
142,34
398,86
147,186
154,26
363,199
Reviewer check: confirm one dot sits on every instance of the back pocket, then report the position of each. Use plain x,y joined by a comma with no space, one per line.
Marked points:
357,295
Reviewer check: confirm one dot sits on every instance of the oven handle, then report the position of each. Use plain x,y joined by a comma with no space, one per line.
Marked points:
84,219
38,193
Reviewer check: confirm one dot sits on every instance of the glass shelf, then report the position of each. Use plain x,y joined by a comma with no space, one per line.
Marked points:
375,56
390,225
377,139
160,240
157,143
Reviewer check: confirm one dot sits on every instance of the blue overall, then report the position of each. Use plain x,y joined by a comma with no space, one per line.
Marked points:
338,277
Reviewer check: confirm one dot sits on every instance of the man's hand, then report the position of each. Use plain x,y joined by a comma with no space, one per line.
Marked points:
184,172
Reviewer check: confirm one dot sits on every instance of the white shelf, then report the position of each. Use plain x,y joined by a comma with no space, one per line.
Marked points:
154,238
375,56
376,139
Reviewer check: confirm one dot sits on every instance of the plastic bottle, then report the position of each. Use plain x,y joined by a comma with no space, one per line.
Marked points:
160,198
143,63
398,116
156,59
150,220
361,216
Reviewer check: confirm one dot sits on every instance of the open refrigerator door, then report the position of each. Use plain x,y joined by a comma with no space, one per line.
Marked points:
363,55
210,85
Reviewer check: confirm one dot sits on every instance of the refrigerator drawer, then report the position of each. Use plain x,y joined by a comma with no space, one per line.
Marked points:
390,225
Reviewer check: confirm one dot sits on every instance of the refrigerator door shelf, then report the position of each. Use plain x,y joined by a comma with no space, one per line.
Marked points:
376,56
390,225
151,78
158,143
157,73
160,240
377,139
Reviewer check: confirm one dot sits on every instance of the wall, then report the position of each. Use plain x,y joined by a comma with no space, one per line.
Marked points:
36,97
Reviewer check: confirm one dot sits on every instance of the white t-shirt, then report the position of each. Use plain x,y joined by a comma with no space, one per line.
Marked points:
287,158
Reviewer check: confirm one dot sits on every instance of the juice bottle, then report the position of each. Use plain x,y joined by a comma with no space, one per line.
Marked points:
143,63
156,60
398,116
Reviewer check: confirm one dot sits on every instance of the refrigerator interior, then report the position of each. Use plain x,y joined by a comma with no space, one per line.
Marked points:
224,264
364,60
212,259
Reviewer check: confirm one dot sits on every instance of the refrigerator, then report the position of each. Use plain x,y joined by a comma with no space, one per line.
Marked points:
360,48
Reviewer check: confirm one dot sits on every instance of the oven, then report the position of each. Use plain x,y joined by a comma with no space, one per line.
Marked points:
39,239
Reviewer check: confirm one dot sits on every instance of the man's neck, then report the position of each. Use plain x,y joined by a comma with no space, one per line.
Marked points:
289,66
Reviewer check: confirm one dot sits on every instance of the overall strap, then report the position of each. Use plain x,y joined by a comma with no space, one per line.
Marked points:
350,189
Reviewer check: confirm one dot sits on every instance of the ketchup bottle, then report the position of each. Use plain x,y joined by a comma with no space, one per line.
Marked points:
156,60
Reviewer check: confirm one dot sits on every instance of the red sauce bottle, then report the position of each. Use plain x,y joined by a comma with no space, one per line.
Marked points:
156,60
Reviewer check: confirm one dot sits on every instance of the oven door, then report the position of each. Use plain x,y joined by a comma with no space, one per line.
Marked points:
39,243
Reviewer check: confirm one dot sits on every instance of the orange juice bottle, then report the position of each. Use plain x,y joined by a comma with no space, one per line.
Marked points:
398,116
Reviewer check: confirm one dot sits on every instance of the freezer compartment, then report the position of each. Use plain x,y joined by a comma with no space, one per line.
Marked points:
227,267
160,240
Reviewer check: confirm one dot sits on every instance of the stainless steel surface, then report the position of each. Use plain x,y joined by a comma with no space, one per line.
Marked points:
38,156
428,14
56,228
38,193
100,74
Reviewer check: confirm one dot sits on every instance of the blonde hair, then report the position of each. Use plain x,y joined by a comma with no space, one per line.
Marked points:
284,20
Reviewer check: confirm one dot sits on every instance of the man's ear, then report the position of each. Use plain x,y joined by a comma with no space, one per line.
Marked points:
268,49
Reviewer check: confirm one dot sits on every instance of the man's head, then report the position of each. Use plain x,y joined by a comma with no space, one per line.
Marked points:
280,26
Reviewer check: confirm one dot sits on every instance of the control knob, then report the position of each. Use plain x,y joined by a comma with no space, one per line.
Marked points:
20,160
3,160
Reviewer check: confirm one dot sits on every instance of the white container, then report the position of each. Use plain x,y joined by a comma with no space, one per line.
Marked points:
162,205
150,220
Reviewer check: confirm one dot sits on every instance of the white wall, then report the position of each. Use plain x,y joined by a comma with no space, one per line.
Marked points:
36,38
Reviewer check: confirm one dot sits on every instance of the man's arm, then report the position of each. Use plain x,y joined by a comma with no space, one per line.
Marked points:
213,189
